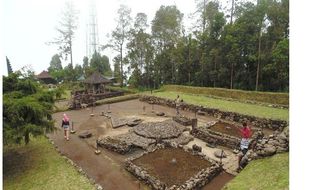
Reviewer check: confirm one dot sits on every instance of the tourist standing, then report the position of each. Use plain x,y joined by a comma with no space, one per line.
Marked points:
66,125
246,134
177,104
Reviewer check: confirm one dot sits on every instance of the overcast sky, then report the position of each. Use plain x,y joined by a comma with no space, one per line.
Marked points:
28,24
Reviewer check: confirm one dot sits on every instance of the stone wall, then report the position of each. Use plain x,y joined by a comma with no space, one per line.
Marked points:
195,182
268,146
231,116
215,138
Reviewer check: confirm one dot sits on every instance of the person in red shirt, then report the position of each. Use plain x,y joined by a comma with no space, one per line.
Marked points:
245,131
246,134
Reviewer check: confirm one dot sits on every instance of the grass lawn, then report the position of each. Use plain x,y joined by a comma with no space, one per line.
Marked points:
39,166
232,106
265,174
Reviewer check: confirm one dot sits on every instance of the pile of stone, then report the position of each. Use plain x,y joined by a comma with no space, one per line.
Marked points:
85,134
180,140
275,143
268,146
133,139
182,120
115,145
122,121
231,116
159,130
203,177
146,134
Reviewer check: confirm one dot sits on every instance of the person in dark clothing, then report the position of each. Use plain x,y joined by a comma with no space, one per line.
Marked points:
66,125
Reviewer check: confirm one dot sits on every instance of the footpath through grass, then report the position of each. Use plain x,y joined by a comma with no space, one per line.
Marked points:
38,166
226,105
265,174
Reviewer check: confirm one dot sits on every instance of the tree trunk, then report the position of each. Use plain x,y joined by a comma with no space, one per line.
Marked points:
258,60
231,75
27,138
232,10
71,57
121,63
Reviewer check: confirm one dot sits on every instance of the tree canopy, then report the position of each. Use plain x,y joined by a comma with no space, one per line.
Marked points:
245,47
27,109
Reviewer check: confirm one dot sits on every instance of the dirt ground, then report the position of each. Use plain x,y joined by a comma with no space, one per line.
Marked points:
107,168
172,166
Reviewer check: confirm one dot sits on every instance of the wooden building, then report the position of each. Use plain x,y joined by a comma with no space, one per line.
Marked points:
96,83
46,78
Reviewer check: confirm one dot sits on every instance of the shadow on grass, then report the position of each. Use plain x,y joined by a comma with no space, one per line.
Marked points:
16,161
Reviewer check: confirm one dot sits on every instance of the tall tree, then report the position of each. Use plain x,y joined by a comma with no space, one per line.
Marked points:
166,31
140,50
55,64
27,109
66,31
120,34
100,63
8,65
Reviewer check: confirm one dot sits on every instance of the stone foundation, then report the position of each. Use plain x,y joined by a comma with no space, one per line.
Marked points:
182,120
215,138
146,134
115,145
197,181
230,116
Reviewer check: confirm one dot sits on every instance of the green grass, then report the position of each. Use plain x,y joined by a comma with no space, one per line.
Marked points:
117,99
240,95
38,166
232,106
265,174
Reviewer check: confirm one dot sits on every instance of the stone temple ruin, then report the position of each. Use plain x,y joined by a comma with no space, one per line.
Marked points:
168,158
95,89
146,135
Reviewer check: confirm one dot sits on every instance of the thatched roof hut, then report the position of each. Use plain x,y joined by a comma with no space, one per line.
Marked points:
96,82
96,78
46,78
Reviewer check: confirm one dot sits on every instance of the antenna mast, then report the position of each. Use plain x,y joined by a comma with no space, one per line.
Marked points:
92,39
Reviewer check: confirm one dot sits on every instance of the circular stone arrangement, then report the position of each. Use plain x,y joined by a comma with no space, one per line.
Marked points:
159,130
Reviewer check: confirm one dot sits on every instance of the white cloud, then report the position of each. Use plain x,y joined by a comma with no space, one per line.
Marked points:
28,25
